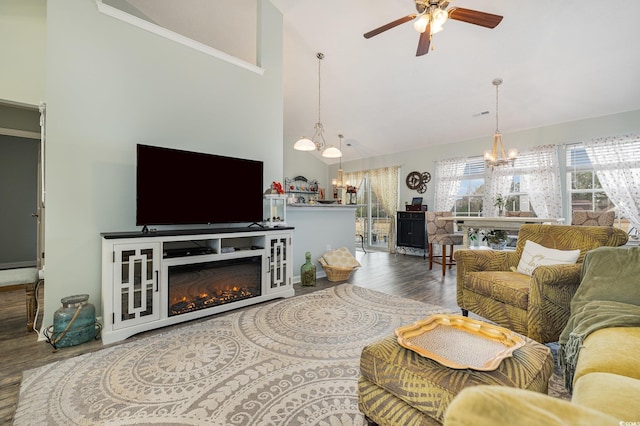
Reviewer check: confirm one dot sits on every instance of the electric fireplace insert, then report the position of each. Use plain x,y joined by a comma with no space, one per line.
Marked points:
204,285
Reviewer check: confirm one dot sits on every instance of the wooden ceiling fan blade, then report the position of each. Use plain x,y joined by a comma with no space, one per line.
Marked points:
390,25
487,20
424,42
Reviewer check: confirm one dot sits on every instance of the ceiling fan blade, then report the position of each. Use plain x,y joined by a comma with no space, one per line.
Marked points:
390,25
424,42
475,17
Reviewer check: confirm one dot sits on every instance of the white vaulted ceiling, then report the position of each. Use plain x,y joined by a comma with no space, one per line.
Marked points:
560,61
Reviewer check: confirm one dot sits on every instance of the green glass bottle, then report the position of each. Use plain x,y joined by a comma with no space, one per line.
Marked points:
308,271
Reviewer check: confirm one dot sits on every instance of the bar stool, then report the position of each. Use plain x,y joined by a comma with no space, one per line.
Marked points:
440,232
588,218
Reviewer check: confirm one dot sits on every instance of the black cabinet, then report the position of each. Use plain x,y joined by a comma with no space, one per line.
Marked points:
412,230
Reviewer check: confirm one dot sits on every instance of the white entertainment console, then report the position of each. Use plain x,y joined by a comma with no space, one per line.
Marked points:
136,269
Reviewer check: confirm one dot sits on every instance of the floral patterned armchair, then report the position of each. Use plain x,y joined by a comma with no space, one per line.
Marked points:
537,305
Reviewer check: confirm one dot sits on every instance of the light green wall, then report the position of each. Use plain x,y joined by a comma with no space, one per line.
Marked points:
424,160
109,86
22,49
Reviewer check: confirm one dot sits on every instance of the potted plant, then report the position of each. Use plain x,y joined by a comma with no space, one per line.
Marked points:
496,238
500,202
473,237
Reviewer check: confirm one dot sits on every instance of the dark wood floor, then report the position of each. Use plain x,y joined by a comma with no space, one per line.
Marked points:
401,275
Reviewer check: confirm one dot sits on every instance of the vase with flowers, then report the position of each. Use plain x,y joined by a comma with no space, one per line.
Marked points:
496,239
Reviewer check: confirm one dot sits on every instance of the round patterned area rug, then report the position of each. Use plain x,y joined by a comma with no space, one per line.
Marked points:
293,361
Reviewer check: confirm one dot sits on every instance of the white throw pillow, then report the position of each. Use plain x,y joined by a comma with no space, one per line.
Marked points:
535,255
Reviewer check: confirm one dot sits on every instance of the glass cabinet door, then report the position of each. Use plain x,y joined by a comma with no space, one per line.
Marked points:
136,284
279,262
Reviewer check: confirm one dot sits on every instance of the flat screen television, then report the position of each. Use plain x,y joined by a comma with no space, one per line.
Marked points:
175,187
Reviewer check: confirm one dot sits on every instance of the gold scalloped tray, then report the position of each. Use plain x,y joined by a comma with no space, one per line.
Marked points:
459,342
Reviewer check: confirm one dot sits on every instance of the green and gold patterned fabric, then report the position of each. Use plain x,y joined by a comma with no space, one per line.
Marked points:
536,306
401,387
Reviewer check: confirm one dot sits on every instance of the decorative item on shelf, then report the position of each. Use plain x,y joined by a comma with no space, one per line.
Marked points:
275,190
308,271
317,142
274,211
300,190
278,187
500,203
496,239
416,205
497,156
352,194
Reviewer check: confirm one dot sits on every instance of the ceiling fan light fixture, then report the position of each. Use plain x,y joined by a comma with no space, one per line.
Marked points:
420,24
436,29
439,17
431,16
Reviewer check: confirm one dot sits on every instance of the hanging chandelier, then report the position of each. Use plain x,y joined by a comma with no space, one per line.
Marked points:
317,142
497,156
339,183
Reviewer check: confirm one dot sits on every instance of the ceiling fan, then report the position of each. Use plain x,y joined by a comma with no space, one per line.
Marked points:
432,14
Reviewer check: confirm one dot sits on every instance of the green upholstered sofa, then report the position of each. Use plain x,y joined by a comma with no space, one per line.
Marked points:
605,315
537,305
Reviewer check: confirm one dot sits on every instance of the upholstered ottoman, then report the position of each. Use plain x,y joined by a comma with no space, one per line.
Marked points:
400,387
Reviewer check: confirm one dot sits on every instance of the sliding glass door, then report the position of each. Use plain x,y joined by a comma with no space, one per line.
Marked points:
373,222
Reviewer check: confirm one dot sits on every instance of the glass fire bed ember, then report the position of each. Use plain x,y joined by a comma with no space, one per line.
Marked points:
205,285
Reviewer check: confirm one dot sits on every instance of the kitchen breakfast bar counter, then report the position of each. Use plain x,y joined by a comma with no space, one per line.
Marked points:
318,228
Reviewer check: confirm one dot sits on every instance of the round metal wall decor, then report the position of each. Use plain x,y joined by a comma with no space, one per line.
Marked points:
414,179
418,181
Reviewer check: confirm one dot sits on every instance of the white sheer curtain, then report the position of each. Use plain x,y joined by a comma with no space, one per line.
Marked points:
540,179
384,183
354,178
616,161
497,181
448,177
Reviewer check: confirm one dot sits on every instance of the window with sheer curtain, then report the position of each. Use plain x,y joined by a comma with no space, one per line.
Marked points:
532,184
448,178
539,173
604,174
470,192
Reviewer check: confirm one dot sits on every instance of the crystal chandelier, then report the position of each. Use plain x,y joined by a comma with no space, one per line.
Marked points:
497,156
317,142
